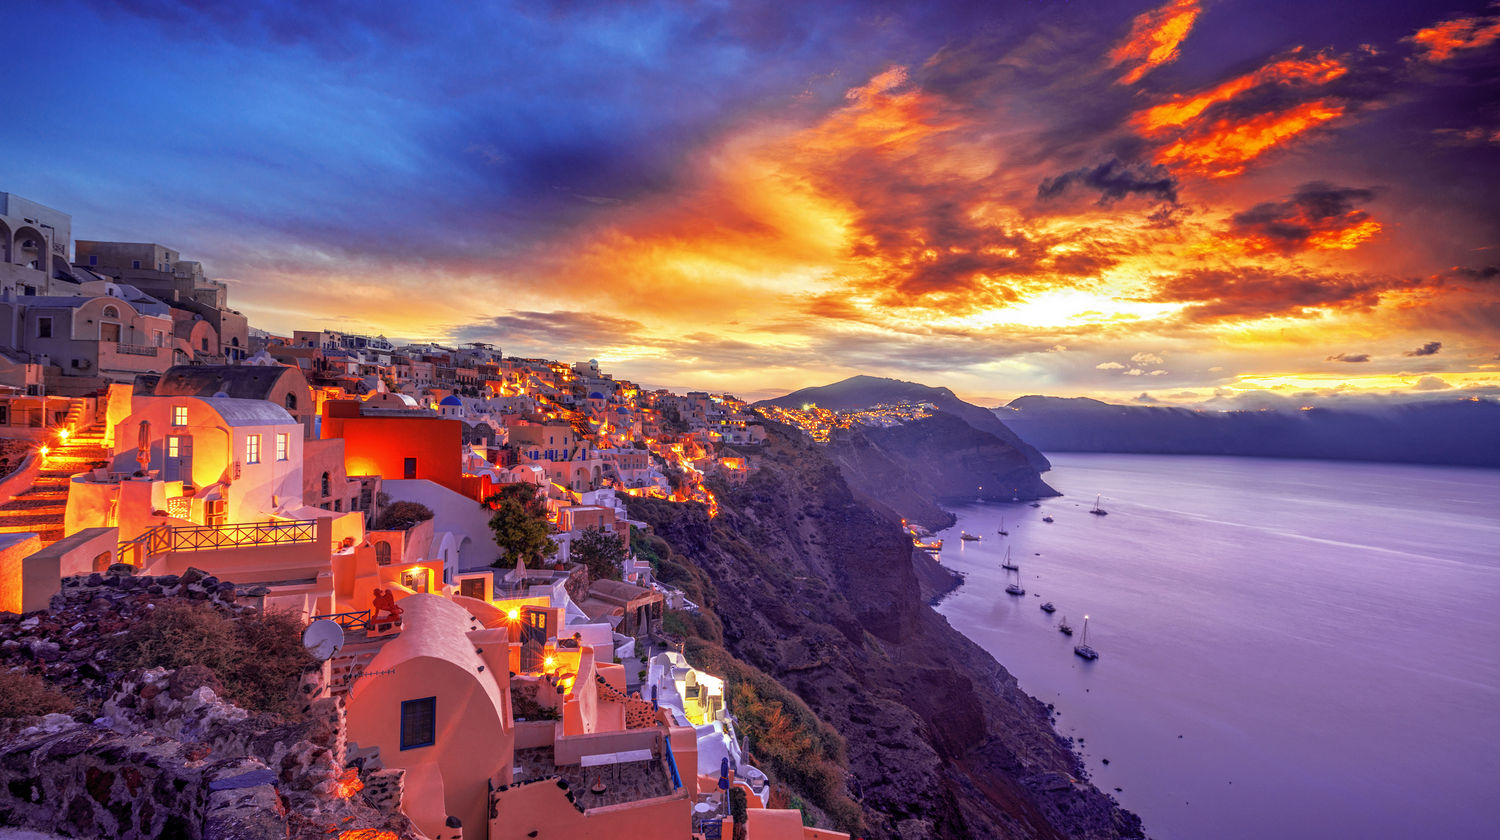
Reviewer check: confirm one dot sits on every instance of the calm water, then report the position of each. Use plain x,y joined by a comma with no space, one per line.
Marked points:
1288,649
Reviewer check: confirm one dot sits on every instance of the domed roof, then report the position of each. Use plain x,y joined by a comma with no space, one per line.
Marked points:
596,396
452,399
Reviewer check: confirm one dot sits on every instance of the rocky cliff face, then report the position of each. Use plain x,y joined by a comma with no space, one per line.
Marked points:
817,589
909,469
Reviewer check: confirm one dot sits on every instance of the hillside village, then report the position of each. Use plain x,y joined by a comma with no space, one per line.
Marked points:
504,686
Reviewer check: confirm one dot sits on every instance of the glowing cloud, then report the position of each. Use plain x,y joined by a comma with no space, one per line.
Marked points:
1444,40
1154,38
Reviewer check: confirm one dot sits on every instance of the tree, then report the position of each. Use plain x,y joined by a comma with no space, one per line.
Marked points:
600,552
519,521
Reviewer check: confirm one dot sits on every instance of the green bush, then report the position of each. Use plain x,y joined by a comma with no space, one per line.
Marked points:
258,658
23,694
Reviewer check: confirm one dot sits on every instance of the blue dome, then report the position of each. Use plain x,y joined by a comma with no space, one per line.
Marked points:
452,399
596,396
623,412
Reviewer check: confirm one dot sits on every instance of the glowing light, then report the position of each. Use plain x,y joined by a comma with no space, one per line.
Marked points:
63,435
513,614
549,663
348,784
44,450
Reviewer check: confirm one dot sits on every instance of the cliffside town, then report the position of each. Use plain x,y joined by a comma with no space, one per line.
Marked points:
512,598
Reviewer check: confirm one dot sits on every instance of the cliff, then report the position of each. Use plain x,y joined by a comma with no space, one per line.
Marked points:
859,392
804,582
1459,432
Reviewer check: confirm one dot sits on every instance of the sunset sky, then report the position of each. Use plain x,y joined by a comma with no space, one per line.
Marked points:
1141,202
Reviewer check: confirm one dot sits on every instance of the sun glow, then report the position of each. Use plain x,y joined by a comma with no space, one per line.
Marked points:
1070,308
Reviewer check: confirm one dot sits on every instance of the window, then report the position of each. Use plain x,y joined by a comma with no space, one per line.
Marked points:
282,444
179,415
415,580
205,344
135,263
111,312
291,402
382,553
326,490
252,449
338,505
418,723
409,468
471,588
174,446
93,259
44,328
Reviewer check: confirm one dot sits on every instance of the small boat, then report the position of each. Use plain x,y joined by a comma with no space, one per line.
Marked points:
1015,589
1047,607
1002,531
1008,565
968,536
1065,628
1082,648
1046,519
1098,511
1036,504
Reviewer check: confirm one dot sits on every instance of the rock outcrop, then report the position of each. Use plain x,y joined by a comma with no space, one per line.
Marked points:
162,754
817,589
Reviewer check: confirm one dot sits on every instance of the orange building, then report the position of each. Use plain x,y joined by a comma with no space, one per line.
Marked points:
418,447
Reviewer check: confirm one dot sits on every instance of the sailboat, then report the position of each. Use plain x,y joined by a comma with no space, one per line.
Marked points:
1098,511
1047,607
965,535
1065,628
1008,565
1015,588
1082,648
1003,532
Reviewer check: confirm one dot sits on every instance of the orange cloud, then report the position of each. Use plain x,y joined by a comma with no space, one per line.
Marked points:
1318,216
1314,70
1226,145
1154,38
1442,41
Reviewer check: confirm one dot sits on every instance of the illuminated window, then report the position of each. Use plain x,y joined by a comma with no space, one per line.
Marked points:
174,446
179,415
415,580
282,444
418,723
252,449
472,588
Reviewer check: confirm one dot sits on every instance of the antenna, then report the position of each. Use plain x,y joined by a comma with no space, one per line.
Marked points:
323,639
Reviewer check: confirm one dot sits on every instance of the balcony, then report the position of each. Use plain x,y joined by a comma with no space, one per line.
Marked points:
137,349
165,539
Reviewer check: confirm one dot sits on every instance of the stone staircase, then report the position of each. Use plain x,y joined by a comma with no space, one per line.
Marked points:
40,510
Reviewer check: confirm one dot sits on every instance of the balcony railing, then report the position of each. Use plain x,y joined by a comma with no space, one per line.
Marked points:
166,538
243,535
137,349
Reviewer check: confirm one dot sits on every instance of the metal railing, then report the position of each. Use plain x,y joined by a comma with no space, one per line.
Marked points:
354,620
137,349
165,538
243,535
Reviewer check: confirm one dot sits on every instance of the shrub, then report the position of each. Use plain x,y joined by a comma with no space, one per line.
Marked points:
401,516
258,658
23,694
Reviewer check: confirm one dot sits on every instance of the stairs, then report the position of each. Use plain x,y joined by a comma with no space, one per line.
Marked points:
40,510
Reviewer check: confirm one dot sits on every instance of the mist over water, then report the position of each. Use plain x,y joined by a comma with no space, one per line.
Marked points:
1324,637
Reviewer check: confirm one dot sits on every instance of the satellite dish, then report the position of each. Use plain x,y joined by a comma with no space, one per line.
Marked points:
323,639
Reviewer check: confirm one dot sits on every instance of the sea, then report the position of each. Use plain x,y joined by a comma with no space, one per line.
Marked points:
1287,649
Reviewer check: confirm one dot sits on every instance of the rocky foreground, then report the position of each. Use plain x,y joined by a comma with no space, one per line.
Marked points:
816,588
157,752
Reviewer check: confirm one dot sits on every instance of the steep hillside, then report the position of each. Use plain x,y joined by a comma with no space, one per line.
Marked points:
811,586
858,392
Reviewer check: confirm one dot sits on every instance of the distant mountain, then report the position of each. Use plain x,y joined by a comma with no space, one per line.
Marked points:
1452,432
859,392
960,453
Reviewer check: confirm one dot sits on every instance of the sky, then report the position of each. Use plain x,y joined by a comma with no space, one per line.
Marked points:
1160,203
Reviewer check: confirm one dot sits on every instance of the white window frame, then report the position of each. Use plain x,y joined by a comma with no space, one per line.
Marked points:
179,415
283,446
252,449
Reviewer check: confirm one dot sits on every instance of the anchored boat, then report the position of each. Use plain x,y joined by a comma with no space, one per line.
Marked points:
1082,648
